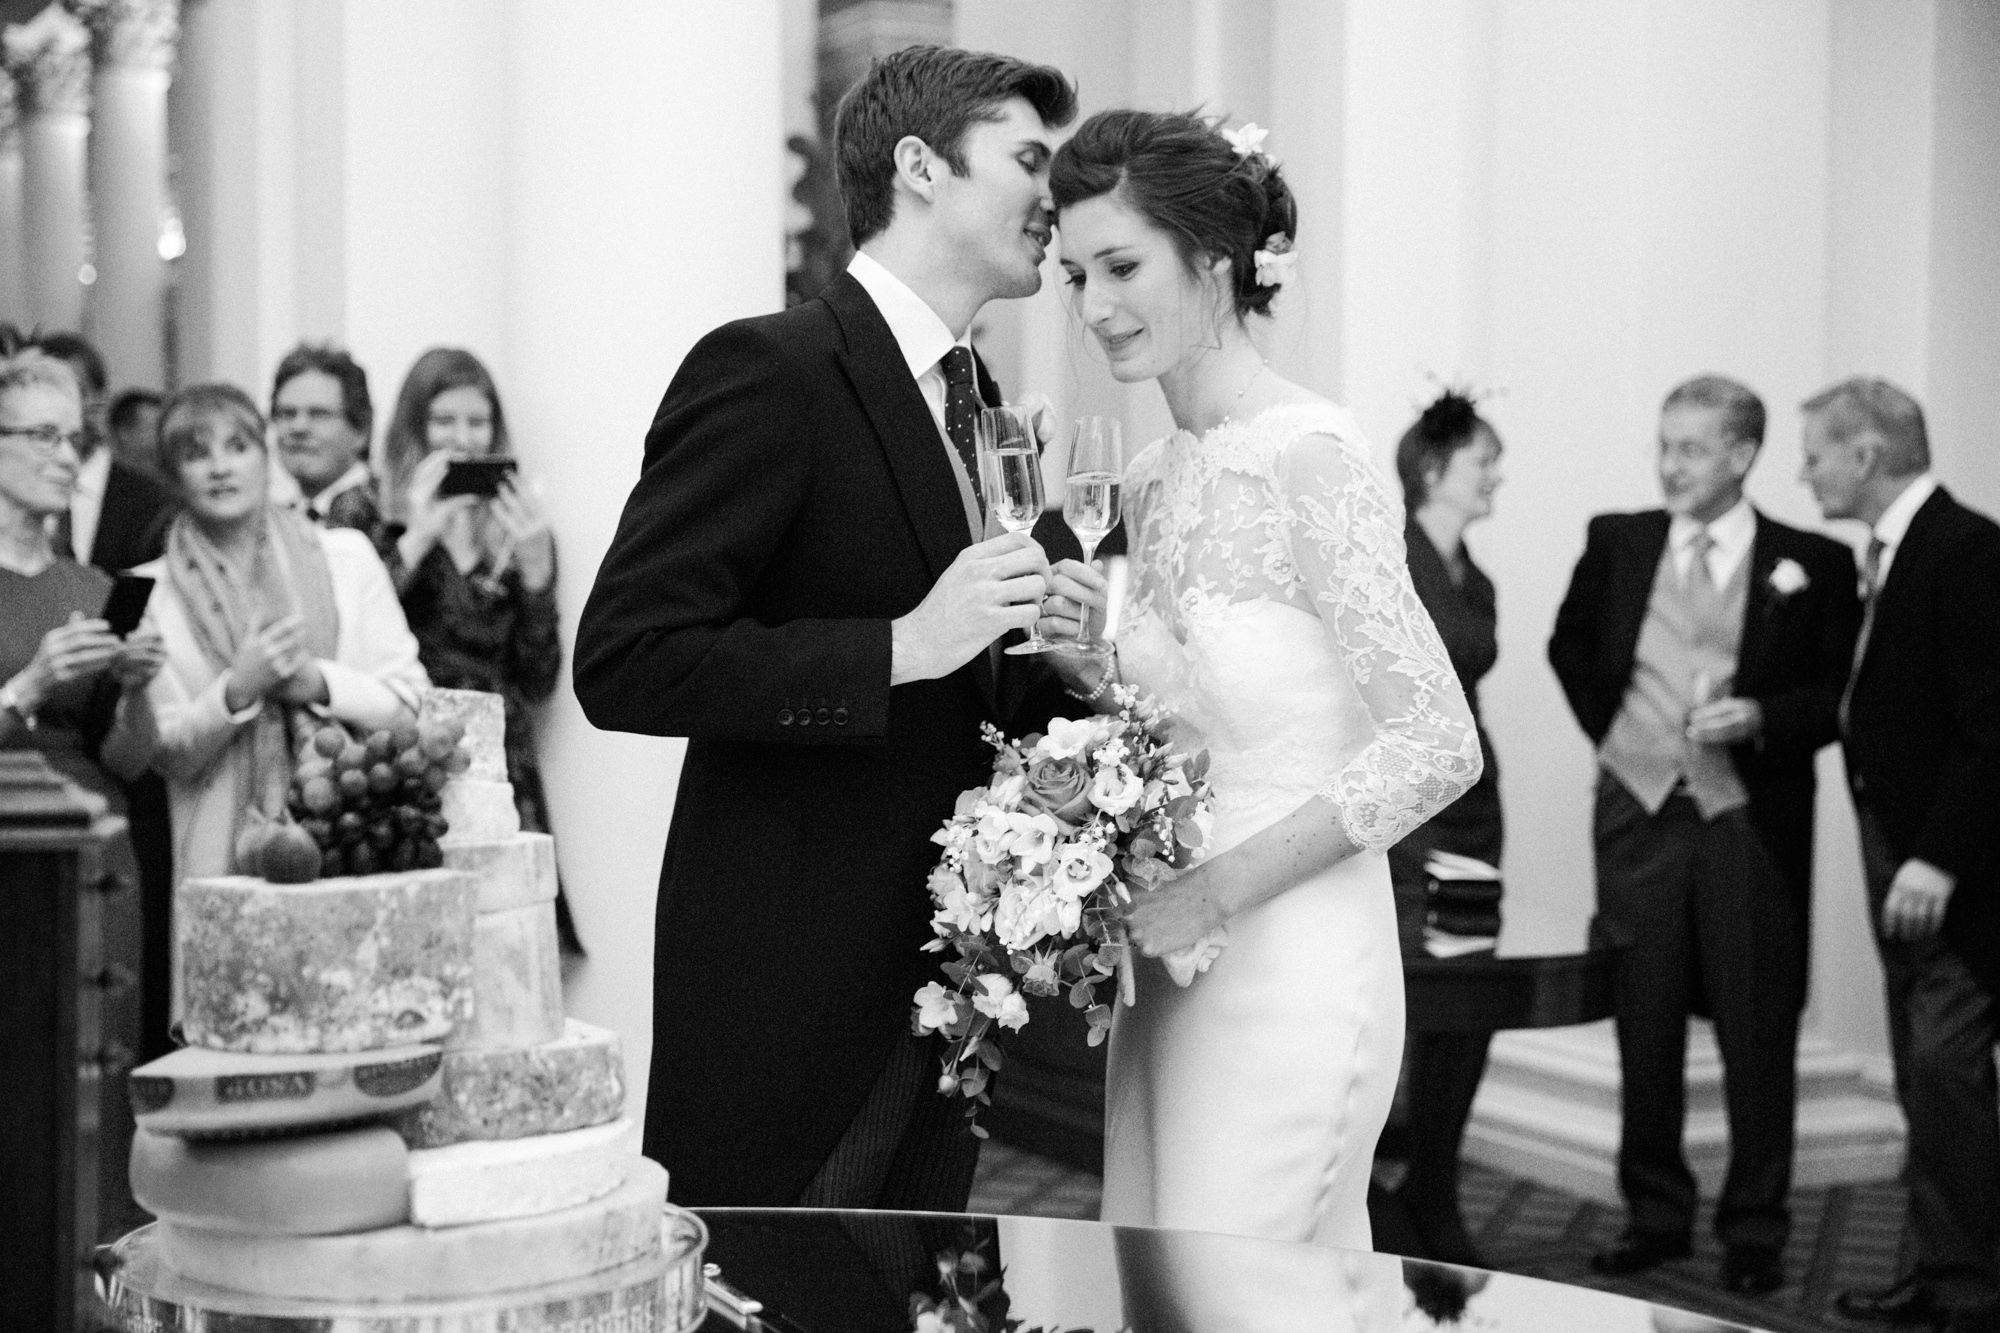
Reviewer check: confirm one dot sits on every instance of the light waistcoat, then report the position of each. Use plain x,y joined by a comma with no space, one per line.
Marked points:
1686,655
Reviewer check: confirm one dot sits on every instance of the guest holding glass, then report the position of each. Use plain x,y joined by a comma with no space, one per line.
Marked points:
263,614
1446,899
474,560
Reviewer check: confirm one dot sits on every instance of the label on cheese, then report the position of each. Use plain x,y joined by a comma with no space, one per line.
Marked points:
514,871
573,1082
409,1263
479,808
516,980
483,1182
200,1093
299,1185
349,964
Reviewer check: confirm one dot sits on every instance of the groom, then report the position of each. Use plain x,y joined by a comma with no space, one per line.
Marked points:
798,585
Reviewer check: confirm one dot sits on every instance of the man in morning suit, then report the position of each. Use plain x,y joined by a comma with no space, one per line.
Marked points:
1921,734
1703,647
799,586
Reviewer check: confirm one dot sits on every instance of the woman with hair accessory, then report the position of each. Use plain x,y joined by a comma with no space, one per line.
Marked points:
1447,874
264,614
476,569
1272,614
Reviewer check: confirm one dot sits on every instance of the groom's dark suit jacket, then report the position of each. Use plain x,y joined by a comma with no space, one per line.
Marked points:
1792,660
1923,724
795,497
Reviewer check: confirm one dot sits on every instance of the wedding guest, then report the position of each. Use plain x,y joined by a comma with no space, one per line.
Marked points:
323,417
1702,647
118,513
71,690
117,517
1449,464
262,613
133,424
1921,732
69,687
476,572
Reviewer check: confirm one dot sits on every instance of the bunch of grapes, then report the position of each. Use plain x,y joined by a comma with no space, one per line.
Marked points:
372,803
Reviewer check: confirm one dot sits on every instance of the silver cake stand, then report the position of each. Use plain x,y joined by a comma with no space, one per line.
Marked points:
658,1294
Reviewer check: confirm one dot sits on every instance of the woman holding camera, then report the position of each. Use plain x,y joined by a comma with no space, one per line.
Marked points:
474,560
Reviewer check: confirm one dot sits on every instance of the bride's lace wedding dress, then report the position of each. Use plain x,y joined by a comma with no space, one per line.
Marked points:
1271,608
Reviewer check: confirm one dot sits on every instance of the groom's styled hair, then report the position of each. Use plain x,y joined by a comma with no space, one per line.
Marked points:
934,93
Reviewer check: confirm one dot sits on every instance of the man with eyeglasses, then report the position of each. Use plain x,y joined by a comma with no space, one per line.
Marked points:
321,417
118,514
1703,646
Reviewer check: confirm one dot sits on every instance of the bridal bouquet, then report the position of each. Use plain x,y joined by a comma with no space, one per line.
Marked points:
1038,867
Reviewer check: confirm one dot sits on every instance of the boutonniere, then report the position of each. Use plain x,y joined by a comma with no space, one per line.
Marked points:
1789,576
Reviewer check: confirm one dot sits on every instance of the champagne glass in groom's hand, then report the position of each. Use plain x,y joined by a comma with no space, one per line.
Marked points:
1010,472
1091,498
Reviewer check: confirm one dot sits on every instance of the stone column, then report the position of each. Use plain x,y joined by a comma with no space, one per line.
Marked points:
13,239
134,48
49,59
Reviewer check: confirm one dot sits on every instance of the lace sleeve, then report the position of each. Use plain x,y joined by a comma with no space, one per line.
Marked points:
1346,546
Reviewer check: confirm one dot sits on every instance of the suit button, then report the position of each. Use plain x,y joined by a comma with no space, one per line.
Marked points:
784,717
823,716
840,717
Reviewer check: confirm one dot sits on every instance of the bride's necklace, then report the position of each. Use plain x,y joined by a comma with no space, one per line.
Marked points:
1237,401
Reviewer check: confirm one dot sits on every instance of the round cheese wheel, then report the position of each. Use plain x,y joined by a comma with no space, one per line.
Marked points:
307,1185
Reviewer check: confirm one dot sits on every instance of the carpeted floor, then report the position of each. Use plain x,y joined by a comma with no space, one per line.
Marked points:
1842,1236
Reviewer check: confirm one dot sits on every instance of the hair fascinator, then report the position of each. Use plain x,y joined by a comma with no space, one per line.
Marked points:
1276,260
1249,140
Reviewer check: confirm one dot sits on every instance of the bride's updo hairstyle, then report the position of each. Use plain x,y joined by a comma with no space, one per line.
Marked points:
1177,171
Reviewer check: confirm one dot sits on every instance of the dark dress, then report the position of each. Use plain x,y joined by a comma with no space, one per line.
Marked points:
75,718
1467,620
1441,1071
475,632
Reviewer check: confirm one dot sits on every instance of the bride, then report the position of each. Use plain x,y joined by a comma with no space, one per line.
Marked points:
1273,613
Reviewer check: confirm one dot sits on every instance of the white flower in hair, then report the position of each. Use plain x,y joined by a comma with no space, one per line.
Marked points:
1248,141
1276,260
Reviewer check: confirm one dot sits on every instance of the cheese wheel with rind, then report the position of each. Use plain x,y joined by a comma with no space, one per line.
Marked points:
301,1185
410,1263
484,1182
479,808
200,1093
573,1082
512,871
516,980
348,964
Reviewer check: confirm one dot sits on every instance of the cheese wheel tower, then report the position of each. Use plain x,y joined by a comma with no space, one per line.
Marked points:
382,1100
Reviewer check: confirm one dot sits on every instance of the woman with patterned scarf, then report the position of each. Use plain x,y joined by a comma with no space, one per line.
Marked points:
264,616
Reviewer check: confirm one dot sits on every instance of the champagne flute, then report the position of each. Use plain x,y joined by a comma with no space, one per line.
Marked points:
1091,502
1010,472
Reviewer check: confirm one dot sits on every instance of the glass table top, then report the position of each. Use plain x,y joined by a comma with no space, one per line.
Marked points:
817,1271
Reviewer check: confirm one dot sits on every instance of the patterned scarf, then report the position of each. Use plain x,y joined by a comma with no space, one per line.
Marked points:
288,575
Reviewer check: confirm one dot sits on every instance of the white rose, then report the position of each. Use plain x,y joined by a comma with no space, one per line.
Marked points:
1116,790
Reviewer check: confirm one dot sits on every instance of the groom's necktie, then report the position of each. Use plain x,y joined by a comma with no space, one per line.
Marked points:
961,409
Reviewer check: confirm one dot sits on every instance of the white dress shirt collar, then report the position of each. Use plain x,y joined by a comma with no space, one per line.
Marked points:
1894,525
1733,533
356,475
920,334
86,502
